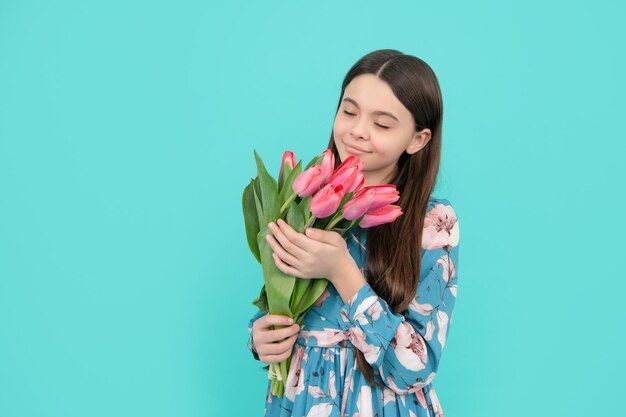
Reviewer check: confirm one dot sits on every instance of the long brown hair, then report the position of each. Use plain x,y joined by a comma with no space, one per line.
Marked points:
394,249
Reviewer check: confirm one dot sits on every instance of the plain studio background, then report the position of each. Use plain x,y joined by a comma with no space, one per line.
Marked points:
127,131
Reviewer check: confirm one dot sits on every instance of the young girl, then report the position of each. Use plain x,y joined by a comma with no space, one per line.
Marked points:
372,343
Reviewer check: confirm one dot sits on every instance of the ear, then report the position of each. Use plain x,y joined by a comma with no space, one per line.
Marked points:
420,139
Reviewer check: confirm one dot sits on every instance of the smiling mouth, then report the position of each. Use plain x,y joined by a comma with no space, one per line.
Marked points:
355,149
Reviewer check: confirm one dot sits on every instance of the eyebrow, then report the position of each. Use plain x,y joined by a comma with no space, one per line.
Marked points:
384,113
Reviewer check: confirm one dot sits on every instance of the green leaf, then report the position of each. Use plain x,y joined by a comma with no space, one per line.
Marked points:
257,186
283,176
301,289
305,208
316,289
295,219
278,285
323,222
287,189
261,301
269,192
251,219
259,207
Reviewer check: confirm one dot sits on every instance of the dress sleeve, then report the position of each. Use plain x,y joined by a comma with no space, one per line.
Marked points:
254,318
406,348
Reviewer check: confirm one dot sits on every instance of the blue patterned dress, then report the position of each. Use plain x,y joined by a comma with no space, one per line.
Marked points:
403,350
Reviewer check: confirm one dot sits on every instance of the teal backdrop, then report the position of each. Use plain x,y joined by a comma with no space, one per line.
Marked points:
127,131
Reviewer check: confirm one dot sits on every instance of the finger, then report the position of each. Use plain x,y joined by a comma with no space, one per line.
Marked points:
278,319
288,342
275,358
269,335
296,242
288,270
275,348
277,335
282,254
285,242
281,334
278,348
324,236
266,322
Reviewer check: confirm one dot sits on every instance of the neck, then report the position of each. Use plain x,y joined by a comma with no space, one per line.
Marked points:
378,179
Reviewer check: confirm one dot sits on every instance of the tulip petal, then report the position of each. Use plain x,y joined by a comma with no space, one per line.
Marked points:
308,181
326,201
386,214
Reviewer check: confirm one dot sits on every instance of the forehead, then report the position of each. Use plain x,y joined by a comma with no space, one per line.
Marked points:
373,94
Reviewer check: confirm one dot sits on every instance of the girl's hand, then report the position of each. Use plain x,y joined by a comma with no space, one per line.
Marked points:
318,255
266,340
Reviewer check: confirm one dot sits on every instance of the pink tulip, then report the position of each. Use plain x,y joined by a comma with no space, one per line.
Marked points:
359,204
351,179
328,165
347,164
385,194
326,201
358,182
308,181
347,174
289,158
385,214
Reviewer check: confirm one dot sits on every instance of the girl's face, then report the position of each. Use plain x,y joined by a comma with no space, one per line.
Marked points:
371,118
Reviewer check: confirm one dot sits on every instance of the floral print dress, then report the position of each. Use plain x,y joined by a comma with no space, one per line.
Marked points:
403,350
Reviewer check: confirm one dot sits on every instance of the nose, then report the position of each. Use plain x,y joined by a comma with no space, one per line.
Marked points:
359,129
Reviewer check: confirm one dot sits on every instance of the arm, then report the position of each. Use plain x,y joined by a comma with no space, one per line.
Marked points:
254,318
406,349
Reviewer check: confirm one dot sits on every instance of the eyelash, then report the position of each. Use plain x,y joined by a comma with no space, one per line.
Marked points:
381,126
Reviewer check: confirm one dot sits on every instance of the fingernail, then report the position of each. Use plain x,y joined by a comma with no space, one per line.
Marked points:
290,321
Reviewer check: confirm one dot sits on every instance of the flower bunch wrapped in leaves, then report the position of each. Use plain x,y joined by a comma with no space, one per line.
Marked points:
318,197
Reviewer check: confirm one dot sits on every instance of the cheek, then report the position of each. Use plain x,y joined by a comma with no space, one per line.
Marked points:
339,128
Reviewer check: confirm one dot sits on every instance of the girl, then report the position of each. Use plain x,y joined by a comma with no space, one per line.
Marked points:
372,343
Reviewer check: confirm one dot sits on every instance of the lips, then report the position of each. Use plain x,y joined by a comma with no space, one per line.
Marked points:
356,147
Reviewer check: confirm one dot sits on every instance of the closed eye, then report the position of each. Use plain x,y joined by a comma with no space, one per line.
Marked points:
352,114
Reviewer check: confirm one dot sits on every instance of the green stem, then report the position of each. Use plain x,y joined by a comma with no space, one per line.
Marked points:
310,222
274,372
338,217
278,379
289,200
283,372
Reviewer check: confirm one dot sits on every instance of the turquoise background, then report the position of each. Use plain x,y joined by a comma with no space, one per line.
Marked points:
127,131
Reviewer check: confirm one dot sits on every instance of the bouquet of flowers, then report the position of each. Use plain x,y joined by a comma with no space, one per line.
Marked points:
319,197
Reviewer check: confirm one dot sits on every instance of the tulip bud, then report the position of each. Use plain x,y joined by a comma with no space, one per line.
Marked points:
358,205
359,180
385,194
345,170
386,214
289,158
348,174
328,165
308,181
326,201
